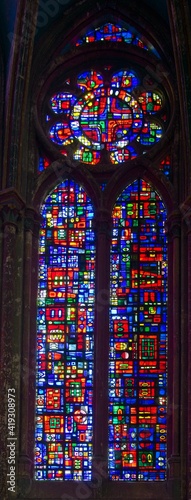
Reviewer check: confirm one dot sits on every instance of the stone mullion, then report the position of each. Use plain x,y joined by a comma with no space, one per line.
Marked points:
100,450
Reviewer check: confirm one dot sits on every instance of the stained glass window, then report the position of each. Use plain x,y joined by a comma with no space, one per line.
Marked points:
65,334
118,118
138,336
110,32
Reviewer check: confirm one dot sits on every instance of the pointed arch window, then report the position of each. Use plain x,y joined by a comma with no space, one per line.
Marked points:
65,336
138,336
109,119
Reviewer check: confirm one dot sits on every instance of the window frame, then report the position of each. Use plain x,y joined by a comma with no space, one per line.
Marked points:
100,480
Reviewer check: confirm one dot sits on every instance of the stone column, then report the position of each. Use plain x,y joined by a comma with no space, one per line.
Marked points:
17,87
28,356
189,360
174,226
184,355
186,210
179,21
11,206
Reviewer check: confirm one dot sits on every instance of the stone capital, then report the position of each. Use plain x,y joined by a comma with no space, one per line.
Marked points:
11,207
186,212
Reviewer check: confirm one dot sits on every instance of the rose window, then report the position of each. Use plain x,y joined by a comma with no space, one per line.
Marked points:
106,115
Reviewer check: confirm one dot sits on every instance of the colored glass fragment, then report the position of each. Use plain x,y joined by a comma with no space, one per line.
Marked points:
43,164
138,337
110,32
65,329
165,167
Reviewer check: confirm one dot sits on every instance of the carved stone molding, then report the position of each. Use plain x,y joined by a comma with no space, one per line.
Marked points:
10,217
174,225
186,212
11,207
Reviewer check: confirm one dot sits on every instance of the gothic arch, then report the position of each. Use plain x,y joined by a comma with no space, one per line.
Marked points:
32,82
60,168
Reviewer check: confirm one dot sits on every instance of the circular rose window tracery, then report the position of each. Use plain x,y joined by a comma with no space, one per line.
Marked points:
115,115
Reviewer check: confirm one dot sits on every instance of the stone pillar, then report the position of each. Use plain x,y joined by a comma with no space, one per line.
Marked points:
33,331
174,226
103,232
17,88
189,360
11,205
28,356
184,356
179,21
186,210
